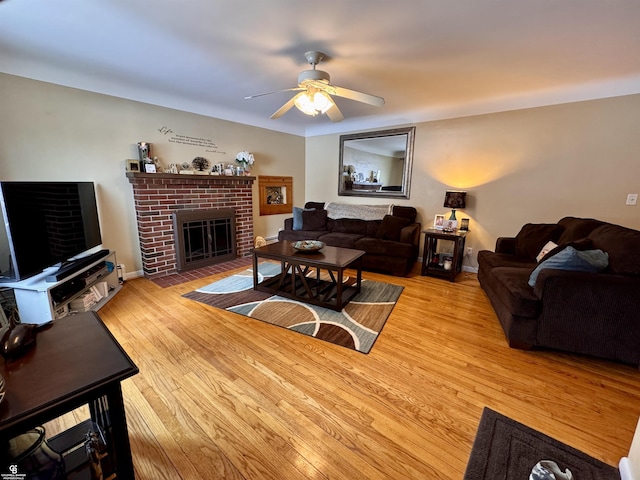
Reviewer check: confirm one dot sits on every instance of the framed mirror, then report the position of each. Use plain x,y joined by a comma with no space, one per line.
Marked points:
376,164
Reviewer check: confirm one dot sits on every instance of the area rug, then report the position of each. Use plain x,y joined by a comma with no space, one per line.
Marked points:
507,450
357,326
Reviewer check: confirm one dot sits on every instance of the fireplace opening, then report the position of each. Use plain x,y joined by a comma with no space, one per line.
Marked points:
204,237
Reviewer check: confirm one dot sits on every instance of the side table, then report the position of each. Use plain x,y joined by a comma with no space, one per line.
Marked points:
75,361
432,265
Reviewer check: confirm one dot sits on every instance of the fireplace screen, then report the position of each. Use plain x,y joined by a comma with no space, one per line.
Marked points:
204,237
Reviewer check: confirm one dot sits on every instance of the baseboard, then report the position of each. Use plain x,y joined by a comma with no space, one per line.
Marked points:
132,275
625,469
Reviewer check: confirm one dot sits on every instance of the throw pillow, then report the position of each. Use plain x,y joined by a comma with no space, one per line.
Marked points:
574,260
314,220
297,216
391,226
582,244
546,249
533,236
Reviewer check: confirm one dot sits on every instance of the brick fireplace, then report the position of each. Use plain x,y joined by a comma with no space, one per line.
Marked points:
157,196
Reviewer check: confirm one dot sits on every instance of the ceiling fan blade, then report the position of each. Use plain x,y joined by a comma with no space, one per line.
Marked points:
334,114
358,96
286,107
294,89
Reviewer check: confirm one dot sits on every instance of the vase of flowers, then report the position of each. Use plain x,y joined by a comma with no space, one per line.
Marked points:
244,159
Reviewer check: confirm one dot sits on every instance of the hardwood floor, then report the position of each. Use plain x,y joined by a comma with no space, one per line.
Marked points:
223,396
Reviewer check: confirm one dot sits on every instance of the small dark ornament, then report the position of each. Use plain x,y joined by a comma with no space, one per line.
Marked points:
96,450
200,163
16,339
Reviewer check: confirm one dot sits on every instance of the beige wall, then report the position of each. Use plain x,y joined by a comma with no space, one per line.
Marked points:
49,132
533,165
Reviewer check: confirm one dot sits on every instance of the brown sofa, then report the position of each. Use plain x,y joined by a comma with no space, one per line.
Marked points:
390,243
587,312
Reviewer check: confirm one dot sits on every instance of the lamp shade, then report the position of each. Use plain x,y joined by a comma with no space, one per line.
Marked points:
455,199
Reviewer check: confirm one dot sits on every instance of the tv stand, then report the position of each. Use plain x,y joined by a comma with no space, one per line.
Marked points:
40,300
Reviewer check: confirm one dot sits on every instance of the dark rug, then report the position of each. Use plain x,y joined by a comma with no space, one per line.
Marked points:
507,450
356,327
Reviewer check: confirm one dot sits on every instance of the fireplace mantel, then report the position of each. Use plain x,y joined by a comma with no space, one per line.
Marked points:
158,195
177,177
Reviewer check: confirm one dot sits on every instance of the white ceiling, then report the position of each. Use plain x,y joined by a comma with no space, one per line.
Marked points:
429,59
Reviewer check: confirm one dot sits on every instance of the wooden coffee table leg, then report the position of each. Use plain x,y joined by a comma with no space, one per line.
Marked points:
255,270
339,289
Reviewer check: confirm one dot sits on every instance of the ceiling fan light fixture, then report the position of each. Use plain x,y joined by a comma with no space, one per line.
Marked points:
305,104
315,93
313,102
322,102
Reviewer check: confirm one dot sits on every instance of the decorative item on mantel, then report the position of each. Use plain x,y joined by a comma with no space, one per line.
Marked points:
200,164
185,169
245,159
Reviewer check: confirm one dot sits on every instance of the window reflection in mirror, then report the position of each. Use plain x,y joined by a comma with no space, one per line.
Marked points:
376,164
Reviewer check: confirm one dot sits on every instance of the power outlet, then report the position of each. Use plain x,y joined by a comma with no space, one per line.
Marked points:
632,199
469,251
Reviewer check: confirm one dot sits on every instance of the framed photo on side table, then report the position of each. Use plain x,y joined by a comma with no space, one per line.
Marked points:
464,224
450,225
438,222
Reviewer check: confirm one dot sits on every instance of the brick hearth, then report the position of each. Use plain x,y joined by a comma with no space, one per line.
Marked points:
157,196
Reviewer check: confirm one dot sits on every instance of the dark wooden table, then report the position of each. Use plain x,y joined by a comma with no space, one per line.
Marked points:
296,280
431,264
76,361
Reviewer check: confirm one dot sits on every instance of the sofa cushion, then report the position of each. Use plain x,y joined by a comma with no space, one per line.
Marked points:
488,259
511,287
297,217
576,228
297,235
391,226
376,246
316,205
623,246
314,219
574,260
345,240
350,225
533,236
372,227
405,212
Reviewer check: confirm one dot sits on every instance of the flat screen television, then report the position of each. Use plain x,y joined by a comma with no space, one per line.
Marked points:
47,224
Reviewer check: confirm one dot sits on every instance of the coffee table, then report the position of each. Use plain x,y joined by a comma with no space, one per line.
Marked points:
297,280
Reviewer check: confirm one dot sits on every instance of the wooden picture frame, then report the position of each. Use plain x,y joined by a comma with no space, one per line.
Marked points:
276,194
133,166
450,225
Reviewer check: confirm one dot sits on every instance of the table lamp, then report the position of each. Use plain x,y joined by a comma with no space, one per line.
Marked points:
454,200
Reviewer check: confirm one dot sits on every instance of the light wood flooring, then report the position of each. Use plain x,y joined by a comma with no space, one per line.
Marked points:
223,396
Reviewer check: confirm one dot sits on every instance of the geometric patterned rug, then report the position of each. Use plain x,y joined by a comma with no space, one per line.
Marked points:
356,327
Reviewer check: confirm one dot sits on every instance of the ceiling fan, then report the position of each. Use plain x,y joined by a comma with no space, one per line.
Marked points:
315,93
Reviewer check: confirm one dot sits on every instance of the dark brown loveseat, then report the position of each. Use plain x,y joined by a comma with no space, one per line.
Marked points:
390,243
593,313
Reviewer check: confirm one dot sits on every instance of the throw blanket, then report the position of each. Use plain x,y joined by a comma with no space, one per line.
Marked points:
363,212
